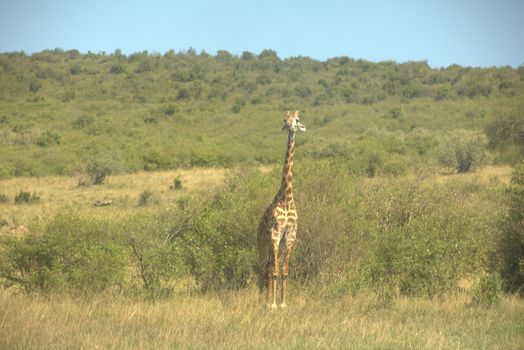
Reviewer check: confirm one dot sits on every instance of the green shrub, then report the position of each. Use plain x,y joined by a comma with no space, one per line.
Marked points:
220,247
177,184
511,246
169,110
149,119
488,290
464,150
72,255
392,235
505,131
99,167
156,247
48,138
26,197
82,121
4,198
183,202
144,197
34,86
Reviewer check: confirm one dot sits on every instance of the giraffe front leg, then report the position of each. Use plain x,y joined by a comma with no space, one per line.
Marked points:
290,243
274,276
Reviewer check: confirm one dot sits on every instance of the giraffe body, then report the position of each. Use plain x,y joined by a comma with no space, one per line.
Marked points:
277,231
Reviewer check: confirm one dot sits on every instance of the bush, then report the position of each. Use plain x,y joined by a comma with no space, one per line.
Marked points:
144,198
463,151
26,197
396,236
488,290
220,247
149,119
73,254
48,138
505,132
4,198
117,69
101,166
82,121
34,86
155,244
511,249
177,184
169,110
392,235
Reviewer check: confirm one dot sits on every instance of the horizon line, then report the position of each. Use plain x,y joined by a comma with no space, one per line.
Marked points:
202,52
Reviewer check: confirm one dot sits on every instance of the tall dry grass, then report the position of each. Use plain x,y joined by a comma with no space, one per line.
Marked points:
58,193
238,321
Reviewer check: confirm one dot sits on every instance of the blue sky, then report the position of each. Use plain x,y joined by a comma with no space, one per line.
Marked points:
466,32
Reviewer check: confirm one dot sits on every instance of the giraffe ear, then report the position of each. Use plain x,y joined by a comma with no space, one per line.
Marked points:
288,113
295,114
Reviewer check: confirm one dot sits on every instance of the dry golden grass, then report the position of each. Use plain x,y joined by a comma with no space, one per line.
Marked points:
488,174
58,193
238,321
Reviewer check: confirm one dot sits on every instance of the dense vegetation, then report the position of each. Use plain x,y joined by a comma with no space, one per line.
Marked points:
404,236
374,216
61,112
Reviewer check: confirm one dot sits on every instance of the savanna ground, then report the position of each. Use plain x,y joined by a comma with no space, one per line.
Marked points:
393,250
318,316
237,320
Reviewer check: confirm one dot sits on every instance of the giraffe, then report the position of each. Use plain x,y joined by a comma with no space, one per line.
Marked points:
277,230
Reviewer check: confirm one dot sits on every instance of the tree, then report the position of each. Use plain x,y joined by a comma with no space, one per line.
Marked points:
463,150
505,132
512,244
101,166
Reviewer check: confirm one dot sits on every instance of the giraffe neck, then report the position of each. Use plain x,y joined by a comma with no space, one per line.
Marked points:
286,187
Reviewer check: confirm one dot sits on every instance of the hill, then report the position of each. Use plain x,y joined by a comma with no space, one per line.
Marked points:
59,110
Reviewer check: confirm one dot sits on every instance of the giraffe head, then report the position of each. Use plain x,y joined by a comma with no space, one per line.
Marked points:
292,122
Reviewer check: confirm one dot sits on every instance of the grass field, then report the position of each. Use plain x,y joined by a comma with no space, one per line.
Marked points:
57,193
315,318
238,321
60,192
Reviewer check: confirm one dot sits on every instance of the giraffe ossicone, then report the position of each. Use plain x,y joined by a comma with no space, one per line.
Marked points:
277,231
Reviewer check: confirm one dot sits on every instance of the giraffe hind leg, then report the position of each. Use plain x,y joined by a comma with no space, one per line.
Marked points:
286,254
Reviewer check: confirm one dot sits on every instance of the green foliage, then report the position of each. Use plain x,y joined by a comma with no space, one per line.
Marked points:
220,249
144,198
511,249
155,245
488,290
463,151
392,235
4,198
505,131
34,86
177,184
408,235
48,138
82,121
73,254
101,166
149,119
26,197
168,104
170,110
